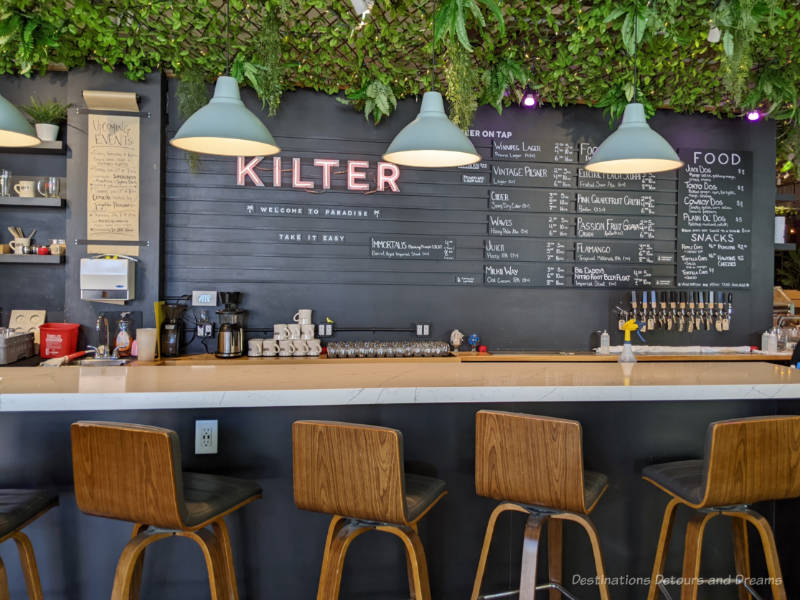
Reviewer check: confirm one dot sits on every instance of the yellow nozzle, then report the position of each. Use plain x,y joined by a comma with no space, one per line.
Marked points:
629,326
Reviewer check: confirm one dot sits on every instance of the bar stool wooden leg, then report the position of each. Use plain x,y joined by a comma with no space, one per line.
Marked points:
127,563
221,531
588,526
530,555
487,542
555,554
341,534
421,587
663,548
136,577
770,550
212,552
410,568
29,569
692,553
4,593
741,553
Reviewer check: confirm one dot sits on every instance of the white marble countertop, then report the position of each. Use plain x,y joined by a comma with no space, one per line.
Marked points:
392,382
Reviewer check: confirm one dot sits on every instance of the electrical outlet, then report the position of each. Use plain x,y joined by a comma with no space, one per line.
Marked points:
206,436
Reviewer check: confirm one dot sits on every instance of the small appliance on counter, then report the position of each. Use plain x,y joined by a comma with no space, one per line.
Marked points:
172,329
230,337
14,345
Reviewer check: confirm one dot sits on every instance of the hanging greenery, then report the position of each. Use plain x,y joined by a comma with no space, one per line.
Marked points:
463,80
578,51
192,95
503,82
375,98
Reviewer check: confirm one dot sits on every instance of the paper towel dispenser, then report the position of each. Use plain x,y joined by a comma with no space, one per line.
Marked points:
107,279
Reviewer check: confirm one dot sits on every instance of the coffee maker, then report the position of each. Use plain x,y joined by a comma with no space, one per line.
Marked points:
172,329
230,337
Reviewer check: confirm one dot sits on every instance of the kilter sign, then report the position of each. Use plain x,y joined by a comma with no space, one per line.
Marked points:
386,174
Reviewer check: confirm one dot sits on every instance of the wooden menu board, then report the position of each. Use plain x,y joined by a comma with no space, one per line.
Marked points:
112,196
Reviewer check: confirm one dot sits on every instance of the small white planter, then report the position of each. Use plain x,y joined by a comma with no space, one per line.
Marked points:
780,230
46,132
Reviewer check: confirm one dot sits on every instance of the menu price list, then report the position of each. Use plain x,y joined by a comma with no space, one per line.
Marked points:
579,276
714,211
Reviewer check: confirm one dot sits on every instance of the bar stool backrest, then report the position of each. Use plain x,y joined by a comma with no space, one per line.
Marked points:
753,459
529,459
128,472
350,470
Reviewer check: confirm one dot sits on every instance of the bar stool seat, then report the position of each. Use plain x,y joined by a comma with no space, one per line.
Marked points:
746,461
594,485
682,478
207,497
17,509
421,493
133,473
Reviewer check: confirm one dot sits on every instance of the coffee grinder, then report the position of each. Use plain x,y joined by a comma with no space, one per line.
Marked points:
172,329
230,337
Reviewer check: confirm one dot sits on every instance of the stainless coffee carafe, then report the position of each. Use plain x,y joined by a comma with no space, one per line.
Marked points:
230,337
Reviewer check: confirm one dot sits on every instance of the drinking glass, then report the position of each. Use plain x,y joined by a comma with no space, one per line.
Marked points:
48,187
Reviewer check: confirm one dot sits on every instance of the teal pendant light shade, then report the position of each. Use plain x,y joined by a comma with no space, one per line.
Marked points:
225,126
431,140
634,148
15,131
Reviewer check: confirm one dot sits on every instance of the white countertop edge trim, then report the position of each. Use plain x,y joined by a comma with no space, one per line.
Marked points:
423,395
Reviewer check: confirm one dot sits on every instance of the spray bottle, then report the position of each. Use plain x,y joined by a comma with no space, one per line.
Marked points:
626,356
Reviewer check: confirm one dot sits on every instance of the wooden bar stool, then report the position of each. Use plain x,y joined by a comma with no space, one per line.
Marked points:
19,508
133,473
355,473
746,461
534,465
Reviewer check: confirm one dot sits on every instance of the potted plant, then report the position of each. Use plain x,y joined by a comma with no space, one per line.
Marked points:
46,117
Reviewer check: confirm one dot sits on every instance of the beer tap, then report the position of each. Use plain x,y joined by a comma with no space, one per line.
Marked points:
634,308
643,313
718,313
654,315
682,313
701,311
709,309
726,324
672,315
692,314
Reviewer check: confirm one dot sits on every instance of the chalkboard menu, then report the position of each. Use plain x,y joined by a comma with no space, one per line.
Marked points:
714,214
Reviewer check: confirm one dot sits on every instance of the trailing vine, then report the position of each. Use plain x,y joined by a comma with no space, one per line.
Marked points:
463,80
192,95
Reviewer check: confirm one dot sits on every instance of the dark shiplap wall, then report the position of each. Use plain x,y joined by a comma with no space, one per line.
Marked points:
211,242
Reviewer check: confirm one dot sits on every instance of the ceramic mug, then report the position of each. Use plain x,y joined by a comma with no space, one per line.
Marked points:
314,347
302,316
18,245
280,331
294,331
269,348
285,348
24,189
254,347
300,347
307,332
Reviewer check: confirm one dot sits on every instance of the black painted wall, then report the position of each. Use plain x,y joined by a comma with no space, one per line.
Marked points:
212,242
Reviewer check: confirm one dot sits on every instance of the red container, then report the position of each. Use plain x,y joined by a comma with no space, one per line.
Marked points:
58,339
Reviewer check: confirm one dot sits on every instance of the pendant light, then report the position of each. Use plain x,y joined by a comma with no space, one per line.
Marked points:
431,140
225,126
15,130
634,147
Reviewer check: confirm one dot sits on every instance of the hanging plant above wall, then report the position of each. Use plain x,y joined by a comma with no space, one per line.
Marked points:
375,98
503,82
192,95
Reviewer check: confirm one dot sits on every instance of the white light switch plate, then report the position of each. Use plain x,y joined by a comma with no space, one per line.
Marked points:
206,436
204,298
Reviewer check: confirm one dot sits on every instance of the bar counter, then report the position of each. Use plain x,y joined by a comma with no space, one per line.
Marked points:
319,382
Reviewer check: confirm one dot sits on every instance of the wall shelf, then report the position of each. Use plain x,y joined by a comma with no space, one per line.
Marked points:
32,202
39,259
56,147
781,247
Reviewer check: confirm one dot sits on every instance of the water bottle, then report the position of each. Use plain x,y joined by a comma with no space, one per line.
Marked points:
605,342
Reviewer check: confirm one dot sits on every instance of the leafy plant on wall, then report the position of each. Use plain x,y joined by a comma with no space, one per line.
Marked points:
27,40
503,82
463,80
375,98
192,95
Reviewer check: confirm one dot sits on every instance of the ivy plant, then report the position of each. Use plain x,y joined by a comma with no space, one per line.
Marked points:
375,98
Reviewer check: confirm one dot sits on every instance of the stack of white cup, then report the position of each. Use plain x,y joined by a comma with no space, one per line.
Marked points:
294,339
